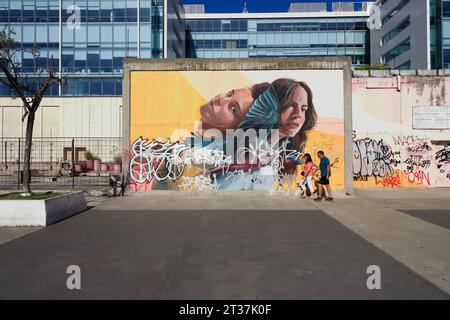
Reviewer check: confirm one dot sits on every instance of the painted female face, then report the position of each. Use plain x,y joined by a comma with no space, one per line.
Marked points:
226,110
292,117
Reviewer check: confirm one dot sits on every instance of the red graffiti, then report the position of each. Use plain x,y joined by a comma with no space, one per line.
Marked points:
418,176
390,182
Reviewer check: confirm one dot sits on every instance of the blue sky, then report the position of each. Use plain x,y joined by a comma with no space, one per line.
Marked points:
230,6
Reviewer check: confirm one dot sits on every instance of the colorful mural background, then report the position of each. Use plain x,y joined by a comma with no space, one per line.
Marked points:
165,110
387,151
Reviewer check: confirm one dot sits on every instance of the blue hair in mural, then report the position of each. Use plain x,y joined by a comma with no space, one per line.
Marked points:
264,113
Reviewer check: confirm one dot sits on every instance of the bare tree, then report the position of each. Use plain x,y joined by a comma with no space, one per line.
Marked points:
30,87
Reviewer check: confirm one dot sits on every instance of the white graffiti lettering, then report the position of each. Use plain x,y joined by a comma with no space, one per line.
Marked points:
198,183
156,160
206,157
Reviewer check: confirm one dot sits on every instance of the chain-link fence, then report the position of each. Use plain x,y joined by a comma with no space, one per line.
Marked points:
61,162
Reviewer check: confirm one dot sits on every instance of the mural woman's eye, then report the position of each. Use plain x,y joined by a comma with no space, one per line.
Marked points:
235,109
230,93
304,107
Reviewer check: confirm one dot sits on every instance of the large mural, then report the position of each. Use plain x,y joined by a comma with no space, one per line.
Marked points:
401,132
242,130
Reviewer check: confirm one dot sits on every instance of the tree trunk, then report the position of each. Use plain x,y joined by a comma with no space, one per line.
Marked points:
27,155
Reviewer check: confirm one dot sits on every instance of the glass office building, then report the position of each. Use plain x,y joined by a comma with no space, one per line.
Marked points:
446,34
319,31
88,39
414,34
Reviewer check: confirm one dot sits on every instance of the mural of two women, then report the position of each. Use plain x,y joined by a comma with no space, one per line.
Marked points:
285,105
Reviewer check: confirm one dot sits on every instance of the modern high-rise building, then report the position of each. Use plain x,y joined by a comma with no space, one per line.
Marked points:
88,39
414,34
307,29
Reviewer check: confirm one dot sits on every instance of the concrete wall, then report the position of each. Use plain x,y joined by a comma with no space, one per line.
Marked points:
163,98
382,120
388,151
65,117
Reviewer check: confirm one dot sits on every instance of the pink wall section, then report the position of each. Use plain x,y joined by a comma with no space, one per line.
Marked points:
387,151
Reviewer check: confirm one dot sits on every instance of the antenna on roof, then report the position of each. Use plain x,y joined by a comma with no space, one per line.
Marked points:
245,8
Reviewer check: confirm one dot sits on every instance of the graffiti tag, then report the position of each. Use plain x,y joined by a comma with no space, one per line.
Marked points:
443,156
418,148
390,181
418,176
417,161
373,158
406,140
206,157
156,160
198,183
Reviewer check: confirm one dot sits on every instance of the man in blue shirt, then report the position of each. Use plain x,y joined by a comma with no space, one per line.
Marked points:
325,173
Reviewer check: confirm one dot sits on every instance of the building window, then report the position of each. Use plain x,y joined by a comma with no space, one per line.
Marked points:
91,87
405,66
400,49
446,9
394,11
446,58
230,44
435,34
235,25
399,28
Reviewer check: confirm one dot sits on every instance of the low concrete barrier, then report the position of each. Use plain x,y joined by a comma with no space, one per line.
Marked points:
16,213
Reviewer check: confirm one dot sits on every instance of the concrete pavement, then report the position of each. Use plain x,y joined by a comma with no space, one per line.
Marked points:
10,233
378,217
239,245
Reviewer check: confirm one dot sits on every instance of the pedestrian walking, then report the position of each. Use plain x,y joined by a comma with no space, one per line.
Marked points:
308,170
325,174
296,161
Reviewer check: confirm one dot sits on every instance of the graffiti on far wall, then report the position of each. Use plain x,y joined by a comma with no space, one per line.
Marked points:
372,158
443,157
387,132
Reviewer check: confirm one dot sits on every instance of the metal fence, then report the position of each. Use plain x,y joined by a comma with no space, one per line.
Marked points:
61,162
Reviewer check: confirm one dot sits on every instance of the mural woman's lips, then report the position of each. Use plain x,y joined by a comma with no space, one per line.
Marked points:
292,125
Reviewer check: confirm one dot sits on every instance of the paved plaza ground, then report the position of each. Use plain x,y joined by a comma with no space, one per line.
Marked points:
237,245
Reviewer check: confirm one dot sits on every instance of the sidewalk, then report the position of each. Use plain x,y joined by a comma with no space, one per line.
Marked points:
241,244
390,221
223,200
